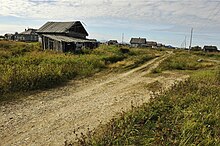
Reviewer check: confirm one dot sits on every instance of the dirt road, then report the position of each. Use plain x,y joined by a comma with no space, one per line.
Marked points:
52,116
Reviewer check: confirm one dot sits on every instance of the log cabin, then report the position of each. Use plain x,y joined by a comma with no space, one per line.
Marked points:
65,36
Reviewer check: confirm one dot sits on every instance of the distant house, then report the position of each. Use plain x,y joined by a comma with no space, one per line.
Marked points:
151,44
196,48
28,35
2,37
9,36
159,45
210,49
138,42
65,36
112,42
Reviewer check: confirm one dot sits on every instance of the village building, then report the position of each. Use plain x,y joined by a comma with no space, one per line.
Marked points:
138,42
65,36
196,48
112,42
210,49
29,35
9,36
2,37
151,44
160,45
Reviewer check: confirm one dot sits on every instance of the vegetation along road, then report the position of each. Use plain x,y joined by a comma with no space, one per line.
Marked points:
57,115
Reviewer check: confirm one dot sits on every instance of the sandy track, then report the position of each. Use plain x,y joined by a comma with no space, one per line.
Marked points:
52,116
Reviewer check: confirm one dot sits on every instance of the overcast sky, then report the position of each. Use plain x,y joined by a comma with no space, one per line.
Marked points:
165,21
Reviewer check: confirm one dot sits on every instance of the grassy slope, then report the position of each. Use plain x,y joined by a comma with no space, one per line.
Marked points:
23,66
188,114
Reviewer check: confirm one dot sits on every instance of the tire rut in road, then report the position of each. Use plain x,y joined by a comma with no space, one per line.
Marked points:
75,108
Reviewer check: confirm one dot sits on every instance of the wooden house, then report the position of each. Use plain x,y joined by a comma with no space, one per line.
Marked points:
9,36
28,35
151,44
65,36
112,42
2,37
210,49
137,42
196,48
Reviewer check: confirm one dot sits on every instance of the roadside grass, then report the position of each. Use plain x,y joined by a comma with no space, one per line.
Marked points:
134,58
184,61
213,55
187,114
25,67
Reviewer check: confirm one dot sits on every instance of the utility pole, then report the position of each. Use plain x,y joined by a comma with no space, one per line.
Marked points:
122,38
190,44
183,45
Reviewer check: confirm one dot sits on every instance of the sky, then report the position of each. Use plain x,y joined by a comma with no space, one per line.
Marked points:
164,21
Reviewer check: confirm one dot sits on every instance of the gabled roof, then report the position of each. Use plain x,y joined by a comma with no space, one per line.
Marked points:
138,41
29,31
210,48
151,43
59,27
9,34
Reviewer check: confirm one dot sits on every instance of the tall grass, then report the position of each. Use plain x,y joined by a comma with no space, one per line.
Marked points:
24,66
184,61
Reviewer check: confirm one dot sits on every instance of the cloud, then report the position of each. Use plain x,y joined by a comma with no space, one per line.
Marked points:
139,16
193,12
10,28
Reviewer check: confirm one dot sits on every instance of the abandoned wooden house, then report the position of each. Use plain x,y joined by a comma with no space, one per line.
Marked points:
65,36
138,42
210,49
28,35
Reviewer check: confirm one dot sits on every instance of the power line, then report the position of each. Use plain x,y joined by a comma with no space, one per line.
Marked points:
122,38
